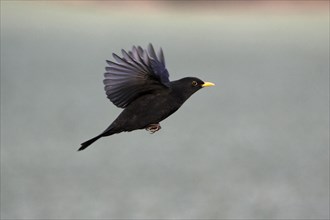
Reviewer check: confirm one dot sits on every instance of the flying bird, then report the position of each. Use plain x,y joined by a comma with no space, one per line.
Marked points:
139,83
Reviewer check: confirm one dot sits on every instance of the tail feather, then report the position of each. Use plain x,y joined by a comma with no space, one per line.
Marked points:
89,142
109,131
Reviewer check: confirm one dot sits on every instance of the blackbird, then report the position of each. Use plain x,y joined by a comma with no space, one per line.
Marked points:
139,83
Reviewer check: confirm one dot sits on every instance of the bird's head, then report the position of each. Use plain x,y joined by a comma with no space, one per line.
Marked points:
189,85
193,83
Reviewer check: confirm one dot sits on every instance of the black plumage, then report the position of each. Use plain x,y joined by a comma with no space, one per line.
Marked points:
139,83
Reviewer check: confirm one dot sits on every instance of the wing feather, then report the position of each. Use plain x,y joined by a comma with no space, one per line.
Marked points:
161,56
137,72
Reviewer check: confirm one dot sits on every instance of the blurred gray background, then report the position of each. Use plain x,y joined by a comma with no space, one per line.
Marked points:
255,146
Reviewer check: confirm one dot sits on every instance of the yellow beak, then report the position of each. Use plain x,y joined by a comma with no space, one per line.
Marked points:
207,84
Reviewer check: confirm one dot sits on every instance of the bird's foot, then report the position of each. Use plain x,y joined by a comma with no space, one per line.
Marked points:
152,128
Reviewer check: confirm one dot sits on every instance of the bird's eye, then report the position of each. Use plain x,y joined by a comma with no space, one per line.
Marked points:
194,83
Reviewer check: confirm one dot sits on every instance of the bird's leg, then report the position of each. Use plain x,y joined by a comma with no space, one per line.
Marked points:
152,128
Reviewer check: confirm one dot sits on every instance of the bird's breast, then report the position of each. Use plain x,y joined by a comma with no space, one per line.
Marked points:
150,109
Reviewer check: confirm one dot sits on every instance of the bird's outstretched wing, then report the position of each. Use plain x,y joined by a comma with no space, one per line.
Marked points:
138,72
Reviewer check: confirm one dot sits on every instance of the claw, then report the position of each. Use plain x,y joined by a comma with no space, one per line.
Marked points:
152,128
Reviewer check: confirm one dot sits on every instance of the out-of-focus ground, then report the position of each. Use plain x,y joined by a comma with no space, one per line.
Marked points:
255,146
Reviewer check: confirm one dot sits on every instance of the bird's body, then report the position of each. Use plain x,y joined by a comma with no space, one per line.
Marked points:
149,97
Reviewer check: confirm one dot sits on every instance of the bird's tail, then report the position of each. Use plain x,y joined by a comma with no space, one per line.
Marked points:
89,142
109,131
